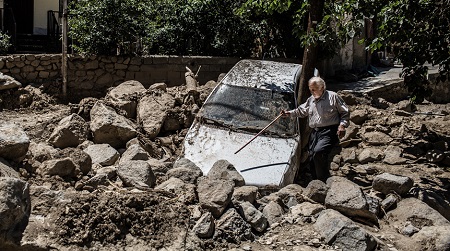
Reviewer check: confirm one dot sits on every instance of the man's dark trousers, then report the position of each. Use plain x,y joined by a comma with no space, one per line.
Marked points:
321,141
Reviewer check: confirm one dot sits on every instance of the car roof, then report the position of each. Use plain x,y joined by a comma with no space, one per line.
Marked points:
263,74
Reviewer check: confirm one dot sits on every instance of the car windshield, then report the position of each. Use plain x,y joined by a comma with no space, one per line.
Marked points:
249,109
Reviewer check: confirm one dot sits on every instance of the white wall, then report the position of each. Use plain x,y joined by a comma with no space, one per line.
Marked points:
40,14
1,3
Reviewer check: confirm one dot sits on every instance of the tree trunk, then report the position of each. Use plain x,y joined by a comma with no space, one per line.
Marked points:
310,54
308,65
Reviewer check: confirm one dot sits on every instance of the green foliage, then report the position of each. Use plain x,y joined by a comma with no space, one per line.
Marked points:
108,26
200,27
5,43
180,27
336,28
418,32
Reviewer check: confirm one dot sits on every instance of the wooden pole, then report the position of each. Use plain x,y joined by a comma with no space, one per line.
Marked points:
259,133
64,49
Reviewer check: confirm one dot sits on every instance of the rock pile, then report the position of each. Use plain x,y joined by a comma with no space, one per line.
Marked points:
109,175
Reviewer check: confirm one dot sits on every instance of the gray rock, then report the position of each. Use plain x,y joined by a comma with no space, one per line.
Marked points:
14,141
359,116
274,212
152,111
233,228
61,167
370,155
158,86
434,238
204,228
436,201
352,202
222,169
306,209
135,152
338,230
124,97
389,202
409,229
392,155
102,154
214,195
97,180
82,160
245,193
109,127
184,191
351,132
185,170
316,191
110,171
136,173
15,208
7,171
377,138
41,151
386,183
70,132
8,82
159,167
253,216
412,208
349,155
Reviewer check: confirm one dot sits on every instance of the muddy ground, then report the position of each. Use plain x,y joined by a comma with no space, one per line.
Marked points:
116,218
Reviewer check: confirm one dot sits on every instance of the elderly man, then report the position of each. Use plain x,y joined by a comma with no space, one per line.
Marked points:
328,117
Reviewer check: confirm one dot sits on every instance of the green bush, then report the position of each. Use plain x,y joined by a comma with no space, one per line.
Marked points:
5,43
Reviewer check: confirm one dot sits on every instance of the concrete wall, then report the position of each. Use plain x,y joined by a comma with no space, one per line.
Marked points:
92,76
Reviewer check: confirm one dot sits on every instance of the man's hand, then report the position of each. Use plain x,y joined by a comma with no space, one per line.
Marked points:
341,131
285,113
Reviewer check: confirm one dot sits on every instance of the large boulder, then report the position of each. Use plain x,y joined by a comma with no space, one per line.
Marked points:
348,198
152,112
8,82
15,207
124,97
102,154
109,127
215,195
386,183
338,230
185,170
222,169
70,132
136,173
14,141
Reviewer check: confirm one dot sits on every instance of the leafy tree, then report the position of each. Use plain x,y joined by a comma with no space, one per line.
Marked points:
108,26
199,27
418,32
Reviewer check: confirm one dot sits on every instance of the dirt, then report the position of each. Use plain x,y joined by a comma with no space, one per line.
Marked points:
115,218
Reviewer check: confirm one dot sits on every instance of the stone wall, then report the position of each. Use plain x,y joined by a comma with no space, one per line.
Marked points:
92,76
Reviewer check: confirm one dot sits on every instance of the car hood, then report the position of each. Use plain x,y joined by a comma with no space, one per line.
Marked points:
262,162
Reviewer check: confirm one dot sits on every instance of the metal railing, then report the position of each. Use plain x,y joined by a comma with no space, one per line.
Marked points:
53,24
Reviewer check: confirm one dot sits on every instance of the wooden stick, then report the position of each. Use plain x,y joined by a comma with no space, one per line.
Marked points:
273,121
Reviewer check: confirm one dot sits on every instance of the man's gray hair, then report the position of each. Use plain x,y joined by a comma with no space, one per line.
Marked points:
317,81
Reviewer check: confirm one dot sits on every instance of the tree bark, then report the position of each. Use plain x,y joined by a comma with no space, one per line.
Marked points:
308,66
310,54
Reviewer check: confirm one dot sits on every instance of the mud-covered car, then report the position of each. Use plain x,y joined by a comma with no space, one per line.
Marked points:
245,101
